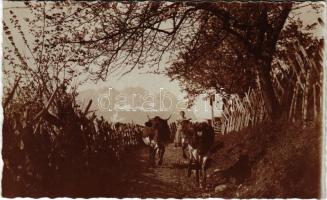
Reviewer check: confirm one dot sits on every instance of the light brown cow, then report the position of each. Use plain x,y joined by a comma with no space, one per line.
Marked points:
200,138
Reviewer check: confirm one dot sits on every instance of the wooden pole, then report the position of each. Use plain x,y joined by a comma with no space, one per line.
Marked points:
314,101
305,98
46,107
11,94
295,102
212,114
87,107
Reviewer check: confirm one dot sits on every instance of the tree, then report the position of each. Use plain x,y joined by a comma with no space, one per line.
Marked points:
125,36
29,58
214,61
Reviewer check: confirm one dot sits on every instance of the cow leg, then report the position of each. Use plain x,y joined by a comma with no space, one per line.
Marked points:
200,165
150,156
152,153
189,169
161,154
204,167
184,145
197,168
177,139
155,152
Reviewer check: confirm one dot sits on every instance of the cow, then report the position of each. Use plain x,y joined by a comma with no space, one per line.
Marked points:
200,138
156,134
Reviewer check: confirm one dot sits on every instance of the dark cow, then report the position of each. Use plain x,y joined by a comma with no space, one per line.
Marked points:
200,138
157,133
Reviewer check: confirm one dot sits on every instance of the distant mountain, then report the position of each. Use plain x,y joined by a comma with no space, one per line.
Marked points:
132,104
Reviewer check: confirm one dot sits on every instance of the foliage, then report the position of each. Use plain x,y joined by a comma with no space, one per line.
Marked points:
215,61
30,57
55,155
218,60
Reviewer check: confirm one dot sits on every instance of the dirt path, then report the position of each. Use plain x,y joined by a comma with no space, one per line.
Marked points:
166,181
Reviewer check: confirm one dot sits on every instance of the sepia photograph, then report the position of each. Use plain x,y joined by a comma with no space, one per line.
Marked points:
163,99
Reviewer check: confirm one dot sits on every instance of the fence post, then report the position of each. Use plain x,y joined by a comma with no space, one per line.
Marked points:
305,98
314,101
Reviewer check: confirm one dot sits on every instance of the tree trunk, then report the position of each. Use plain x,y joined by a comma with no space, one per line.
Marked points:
266,84
265,58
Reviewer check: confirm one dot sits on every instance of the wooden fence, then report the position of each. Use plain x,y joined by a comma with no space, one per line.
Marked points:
241,112
304,88
298,87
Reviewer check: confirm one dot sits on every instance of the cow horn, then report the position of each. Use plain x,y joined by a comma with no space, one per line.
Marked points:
168,117
148,117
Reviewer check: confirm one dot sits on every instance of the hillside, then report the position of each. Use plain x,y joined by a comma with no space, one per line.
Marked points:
273,161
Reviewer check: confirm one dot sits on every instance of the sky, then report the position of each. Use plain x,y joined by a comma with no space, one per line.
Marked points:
151,82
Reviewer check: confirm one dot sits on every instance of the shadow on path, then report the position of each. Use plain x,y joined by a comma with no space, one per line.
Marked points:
137,179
